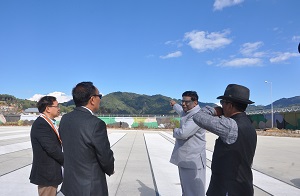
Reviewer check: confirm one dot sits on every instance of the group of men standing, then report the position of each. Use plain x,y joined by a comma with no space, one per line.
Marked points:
85,157
234,149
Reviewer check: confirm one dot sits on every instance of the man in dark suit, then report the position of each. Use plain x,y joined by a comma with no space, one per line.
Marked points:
87,152
46,146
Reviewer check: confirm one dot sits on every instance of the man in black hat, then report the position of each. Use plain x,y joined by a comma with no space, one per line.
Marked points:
235,147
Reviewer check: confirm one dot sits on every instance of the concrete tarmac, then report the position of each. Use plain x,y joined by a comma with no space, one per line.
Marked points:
142,163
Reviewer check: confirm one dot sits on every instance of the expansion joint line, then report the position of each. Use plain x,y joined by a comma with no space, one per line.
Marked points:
15,169
126,163
152,172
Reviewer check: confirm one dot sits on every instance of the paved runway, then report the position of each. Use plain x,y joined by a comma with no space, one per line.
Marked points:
142,164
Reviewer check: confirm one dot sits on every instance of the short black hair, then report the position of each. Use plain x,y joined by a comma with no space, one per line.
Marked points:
82,93
44,102
192,94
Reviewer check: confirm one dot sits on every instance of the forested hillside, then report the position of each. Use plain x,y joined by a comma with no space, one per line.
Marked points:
128,103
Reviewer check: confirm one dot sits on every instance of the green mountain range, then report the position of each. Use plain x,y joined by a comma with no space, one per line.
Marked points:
132,103
127,103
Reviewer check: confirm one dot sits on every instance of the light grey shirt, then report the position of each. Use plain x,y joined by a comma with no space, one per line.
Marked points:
226,128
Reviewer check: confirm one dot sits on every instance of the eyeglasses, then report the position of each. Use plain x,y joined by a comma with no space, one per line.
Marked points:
222,102
186,101
99,95
54,106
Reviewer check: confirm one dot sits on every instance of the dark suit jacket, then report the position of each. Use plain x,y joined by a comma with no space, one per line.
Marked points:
47,155
87,154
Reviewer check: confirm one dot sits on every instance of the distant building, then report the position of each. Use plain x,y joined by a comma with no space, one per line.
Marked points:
12,117
30,114
31,111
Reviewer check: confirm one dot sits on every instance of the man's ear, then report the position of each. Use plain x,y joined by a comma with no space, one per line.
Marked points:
232,107
46,109
92,100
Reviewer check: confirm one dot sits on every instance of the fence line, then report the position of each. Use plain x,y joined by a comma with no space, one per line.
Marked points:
275,110
252,112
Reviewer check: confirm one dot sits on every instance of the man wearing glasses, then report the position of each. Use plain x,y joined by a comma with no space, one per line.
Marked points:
235,147
47,150
87,152
189,150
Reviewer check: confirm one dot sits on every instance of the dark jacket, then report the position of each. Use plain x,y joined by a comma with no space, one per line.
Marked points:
231,164
87,152
47,154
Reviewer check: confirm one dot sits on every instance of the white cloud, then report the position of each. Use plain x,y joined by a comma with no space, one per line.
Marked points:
209,62
36,97
248,49
220,4
60,96
283,57
259,54
176,43
296,38
172,55
202,41
242,62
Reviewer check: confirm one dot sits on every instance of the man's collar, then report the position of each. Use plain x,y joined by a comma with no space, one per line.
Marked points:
88,109
194,108
52,119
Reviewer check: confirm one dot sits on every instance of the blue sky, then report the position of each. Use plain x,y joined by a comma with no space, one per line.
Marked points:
150,47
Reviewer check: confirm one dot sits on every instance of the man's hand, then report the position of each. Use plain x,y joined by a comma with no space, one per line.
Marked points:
219,111
172,103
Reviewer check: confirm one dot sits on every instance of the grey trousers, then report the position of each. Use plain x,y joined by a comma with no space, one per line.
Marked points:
192,181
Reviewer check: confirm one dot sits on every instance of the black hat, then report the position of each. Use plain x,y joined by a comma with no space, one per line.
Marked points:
236,93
